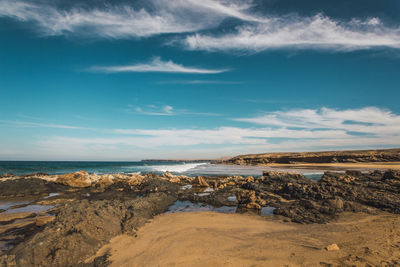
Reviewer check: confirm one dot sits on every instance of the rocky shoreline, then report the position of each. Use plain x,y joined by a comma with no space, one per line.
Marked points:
89,210
350,156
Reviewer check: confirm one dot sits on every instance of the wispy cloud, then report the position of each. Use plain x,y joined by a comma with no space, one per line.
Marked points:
198,82
153,110
317,32
164,110
41,125
156,65
128,20
256,32
370,120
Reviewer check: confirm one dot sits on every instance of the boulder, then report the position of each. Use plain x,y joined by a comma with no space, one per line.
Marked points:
104,182
77,179
135,179
248,199
167,174
391,175
199,182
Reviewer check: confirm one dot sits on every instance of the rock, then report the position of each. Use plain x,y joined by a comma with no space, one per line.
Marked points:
175,179
336,203
104,182
82,227
167,174
77,179
282,175
248,199
11,217
29,187
253,205
135,179
391,175
199,182
43,220
249,179
332,247
6,175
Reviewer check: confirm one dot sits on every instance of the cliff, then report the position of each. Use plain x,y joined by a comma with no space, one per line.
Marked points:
350,156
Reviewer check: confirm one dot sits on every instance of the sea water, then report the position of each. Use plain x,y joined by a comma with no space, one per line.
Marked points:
179,168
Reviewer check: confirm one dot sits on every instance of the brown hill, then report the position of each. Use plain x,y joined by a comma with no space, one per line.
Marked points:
349,156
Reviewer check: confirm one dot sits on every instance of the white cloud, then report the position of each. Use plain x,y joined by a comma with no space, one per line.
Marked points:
156,65
126,21
153,110
141,138
196,143
291,130
369,120
318,32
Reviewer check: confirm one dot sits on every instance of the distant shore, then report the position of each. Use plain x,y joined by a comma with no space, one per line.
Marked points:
335,166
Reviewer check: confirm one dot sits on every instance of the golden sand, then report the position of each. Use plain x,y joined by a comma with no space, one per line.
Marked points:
216,239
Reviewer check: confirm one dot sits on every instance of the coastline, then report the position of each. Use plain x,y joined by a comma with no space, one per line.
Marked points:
87,211
328,166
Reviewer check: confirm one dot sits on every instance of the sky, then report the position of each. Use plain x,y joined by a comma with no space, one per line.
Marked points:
126,80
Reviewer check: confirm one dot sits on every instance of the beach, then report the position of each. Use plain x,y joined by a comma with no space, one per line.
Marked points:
341,218
216,239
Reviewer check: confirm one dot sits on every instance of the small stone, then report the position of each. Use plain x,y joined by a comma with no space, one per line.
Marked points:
332,247
43,220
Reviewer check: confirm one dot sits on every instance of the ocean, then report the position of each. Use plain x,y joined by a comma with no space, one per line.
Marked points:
141,167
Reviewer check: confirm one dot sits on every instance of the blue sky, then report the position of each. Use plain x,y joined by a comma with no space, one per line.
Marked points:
127,80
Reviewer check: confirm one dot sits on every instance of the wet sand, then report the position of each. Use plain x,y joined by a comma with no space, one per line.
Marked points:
216,239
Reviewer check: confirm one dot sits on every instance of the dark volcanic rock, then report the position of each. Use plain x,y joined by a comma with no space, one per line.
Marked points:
83,226
29,187
306,201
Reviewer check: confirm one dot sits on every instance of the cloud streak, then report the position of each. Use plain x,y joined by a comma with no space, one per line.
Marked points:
42,125
255,32
317,32
126,21
164,110
156,65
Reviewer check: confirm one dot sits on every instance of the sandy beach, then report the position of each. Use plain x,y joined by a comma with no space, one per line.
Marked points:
216,239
